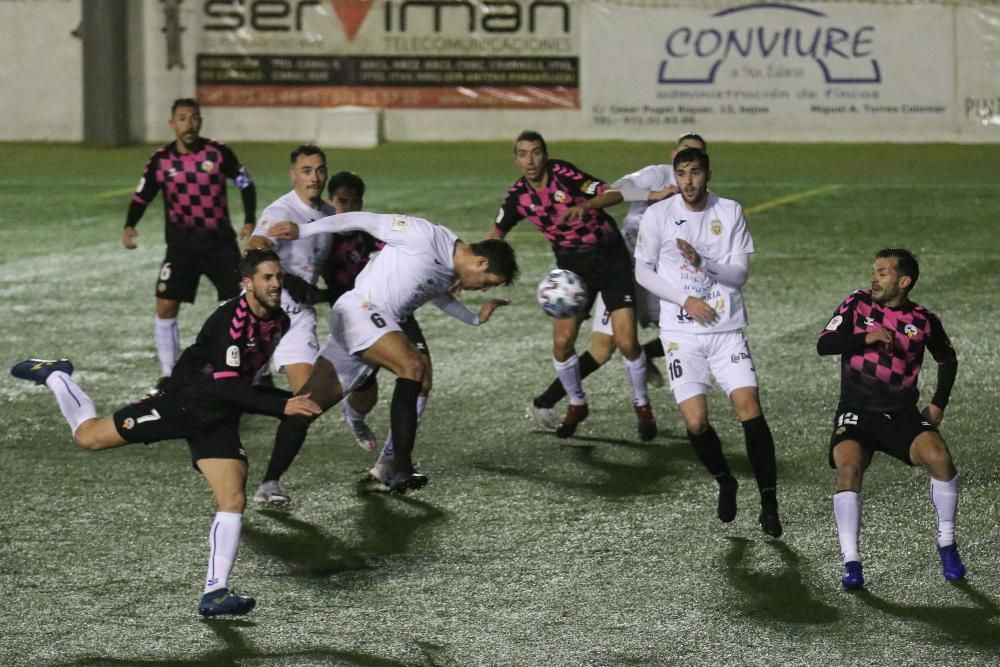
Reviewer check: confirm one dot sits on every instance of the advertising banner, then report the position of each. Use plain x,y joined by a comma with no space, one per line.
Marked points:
775,71
460,54
978,89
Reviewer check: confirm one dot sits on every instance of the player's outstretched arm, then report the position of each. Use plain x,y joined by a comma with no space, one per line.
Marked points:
302,406
607,198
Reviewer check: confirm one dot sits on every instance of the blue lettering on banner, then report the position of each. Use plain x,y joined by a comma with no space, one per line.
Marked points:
827,45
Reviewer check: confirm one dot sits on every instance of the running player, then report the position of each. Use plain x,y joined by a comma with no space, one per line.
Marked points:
640,189
201,402
191,171
880,336
693,253
420,262
590,246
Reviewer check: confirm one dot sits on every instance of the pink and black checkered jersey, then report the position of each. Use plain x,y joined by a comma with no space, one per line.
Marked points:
567,186
348,255
880,376
194,191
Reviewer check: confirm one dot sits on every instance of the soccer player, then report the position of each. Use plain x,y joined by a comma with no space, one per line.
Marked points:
191,171
201,402
420,262
880,336
693,253
590,246
640,189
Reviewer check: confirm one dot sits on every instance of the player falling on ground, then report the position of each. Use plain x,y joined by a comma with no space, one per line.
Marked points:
640,189
590,246
201,402
693,253
881,336
420,262
191,172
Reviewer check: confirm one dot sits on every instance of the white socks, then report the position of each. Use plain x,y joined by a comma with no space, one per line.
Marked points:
75,405
224,541
568,373
944,495
387,451
167,336
847,512
635,370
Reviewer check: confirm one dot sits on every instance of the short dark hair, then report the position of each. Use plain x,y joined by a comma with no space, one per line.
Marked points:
692,135
692,155
531,135
307,149
251,258
906,263
346,179
501,260
185,102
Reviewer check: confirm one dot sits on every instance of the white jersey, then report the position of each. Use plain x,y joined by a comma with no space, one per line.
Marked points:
649,179
415,266
717,233
304,257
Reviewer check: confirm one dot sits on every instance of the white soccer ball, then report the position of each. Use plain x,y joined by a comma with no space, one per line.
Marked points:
562,294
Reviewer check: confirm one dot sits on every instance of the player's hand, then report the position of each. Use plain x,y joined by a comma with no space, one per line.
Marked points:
286,229
880,335
129,235
700,312
302,406
933,414
690,254
660,195
246,231
572,213
486,311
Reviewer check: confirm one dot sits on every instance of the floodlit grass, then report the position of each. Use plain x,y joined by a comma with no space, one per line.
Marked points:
523,550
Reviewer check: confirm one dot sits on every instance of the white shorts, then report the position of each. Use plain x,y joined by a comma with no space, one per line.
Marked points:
647,312
355,325
693,359
299,345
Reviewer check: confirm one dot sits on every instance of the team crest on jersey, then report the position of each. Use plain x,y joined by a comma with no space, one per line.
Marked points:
128,423
672,347
841,430
910,330
207,166
715,227
161,286
233,356
559,196
399,224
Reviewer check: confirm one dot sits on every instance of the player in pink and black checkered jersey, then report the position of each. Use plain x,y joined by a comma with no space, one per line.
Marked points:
191,172
881,336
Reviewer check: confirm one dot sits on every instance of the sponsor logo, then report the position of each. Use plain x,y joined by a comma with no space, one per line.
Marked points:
715,227
737,358
399,224
233,356
207,166
834,323
910,330
128,424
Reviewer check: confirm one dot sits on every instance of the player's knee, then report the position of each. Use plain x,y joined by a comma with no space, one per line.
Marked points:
936,460
849,476
696,424
414,368
88,437
233,501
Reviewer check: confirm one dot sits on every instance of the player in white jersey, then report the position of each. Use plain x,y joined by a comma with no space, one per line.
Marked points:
420,262
693,253
640,189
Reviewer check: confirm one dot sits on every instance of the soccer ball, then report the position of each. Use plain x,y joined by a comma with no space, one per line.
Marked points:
562,294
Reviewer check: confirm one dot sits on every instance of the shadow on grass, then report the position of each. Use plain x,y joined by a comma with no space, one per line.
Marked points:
616,479
977,625
780,596
387,525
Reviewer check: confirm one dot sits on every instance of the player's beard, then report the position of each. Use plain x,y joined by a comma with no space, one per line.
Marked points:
270,303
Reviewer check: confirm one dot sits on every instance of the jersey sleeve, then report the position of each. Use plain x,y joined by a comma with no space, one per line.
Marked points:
741,243
145,192
508,215
944,354
649,240
584,184
645,180
838,335
232,169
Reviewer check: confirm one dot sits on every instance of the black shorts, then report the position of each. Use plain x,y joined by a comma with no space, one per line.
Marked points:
163,417
606,270
413,331
889,432
182,269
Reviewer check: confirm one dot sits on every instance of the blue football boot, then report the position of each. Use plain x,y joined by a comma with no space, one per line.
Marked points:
951,563
853,578
225,602
39,370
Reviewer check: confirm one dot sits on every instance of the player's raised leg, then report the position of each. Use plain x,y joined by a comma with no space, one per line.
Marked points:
930,452
850,461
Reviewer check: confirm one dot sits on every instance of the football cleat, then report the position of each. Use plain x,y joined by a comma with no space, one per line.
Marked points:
726,509
647,425
403,482
544,418
653,375
951,563
770,523
363,435
853,578
270,493
39,370
574,415
225,602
